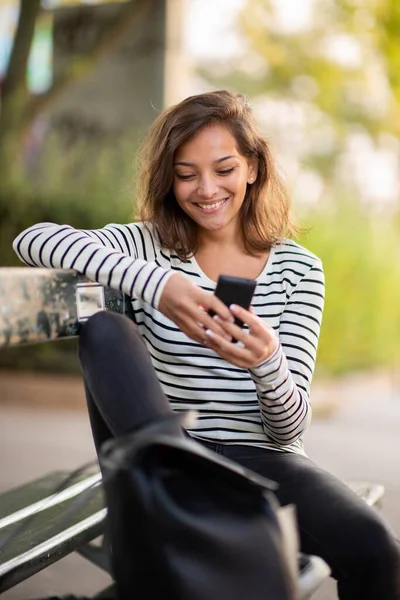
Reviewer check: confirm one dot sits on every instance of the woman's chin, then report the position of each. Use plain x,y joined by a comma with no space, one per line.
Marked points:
217,225
211,224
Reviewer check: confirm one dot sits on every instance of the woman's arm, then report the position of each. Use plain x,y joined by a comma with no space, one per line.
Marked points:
109,256
116,257
281,368
283,380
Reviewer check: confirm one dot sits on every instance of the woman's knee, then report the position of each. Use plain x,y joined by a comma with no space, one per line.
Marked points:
105,329
377,544
382,543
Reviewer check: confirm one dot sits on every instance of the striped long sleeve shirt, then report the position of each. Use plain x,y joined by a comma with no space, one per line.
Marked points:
267,406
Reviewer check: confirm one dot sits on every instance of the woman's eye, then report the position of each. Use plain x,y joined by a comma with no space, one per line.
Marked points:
226,171
184,177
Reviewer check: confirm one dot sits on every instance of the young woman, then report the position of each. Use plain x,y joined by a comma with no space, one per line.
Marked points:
212,203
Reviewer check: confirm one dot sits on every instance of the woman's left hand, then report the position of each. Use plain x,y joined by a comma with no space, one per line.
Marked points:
257,344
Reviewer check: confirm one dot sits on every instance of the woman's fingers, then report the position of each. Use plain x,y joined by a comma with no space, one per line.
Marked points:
206,302
236,354
214,304
249,318
208,322
194,321
255,335
243,345
254,345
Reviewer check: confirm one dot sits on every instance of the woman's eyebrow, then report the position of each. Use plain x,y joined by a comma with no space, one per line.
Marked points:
190,164
219,160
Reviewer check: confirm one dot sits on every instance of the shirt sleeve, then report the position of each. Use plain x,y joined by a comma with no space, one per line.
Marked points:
114,256
283,381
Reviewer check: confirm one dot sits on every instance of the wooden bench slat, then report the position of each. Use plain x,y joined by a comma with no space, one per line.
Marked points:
50,535
30,498
29,493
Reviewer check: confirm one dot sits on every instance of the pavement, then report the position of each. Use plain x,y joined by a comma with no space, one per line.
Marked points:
44,427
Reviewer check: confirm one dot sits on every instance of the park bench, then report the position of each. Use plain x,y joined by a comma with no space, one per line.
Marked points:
45,520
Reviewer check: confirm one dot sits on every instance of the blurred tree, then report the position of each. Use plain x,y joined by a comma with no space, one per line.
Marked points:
19,108
342,69
14,95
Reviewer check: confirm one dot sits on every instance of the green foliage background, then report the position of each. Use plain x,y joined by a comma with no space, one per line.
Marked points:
83,184
360,253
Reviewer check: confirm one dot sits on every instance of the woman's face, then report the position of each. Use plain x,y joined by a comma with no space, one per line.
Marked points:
211,178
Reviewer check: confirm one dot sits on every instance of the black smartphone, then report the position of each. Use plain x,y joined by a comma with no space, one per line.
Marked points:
235,290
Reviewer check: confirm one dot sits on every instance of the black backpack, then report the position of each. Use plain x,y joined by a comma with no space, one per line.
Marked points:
187,524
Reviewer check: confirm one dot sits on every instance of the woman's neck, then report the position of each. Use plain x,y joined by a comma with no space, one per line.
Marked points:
220,238
225,254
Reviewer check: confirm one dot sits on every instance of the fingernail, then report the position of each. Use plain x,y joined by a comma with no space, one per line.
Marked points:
216,318
209,333
233,307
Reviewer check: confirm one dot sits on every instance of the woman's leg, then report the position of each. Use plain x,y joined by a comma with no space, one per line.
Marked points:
122,389
334,523
123,394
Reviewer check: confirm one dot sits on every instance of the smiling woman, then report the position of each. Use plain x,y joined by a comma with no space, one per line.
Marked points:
212,179
197,148
211,204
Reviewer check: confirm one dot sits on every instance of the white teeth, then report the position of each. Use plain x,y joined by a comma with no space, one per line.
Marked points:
209,206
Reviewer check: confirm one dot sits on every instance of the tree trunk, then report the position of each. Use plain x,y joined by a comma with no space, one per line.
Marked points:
14,94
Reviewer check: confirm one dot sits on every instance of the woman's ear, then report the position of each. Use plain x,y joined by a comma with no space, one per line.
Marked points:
253,170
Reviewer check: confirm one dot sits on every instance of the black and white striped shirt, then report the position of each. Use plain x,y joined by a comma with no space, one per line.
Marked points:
267,406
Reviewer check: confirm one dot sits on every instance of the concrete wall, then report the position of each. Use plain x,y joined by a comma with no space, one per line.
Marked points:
129,86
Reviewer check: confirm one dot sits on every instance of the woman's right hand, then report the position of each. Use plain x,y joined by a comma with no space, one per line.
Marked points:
186,305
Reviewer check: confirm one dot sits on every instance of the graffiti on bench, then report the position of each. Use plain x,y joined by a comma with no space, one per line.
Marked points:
43,304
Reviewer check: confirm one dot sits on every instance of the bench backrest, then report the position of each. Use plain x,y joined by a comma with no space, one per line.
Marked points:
38,305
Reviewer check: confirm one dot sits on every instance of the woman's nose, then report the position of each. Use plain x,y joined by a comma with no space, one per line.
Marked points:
208,187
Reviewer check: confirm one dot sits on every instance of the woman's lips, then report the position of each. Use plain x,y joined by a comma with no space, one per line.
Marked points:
211,206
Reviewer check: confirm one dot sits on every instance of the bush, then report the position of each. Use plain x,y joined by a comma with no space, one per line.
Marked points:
360,252
84,184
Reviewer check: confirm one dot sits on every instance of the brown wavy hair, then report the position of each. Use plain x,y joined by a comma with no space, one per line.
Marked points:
265,212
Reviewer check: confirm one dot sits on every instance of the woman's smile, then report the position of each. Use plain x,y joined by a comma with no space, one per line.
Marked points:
211,207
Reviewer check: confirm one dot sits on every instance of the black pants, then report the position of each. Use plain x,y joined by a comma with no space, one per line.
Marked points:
123,394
